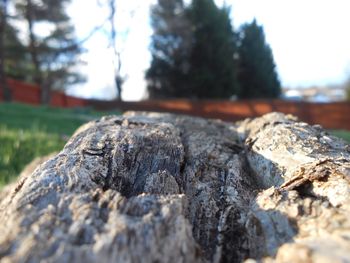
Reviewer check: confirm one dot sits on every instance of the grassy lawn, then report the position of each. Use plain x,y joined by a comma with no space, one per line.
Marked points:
342,134
27,132
20,146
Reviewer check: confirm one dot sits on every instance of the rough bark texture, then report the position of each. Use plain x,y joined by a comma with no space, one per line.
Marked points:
168,188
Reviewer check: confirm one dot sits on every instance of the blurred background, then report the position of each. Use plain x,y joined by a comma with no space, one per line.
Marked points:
65,62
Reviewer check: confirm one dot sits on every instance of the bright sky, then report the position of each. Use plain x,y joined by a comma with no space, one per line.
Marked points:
309,40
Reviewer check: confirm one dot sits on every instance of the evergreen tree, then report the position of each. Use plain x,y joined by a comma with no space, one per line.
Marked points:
17,58
257,71
53,55
213,67
193,51
167,76
3,26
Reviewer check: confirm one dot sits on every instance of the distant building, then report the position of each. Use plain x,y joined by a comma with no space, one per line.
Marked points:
292,94
315,94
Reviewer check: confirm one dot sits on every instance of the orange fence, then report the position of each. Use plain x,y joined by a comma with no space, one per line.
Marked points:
30,93
329,115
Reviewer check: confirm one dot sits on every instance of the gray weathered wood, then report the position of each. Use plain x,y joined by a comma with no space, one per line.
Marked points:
148,187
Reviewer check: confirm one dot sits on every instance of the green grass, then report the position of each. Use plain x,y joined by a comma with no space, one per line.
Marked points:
28,131
20,146
43,118
342,134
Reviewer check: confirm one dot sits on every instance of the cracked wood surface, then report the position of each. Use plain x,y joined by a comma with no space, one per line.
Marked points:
148,187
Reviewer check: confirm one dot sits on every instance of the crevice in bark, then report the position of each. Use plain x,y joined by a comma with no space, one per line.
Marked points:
226,240
183,164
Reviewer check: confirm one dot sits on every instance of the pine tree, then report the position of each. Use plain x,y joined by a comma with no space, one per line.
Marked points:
14,56
167,76
53,55
17,58
213,67
193,51
3,26
257,71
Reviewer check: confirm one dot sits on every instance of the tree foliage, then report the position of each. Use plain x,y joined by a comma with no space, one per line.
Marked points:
197,54
53,52
257,71
192,51
170,48
3,22
17,58
212,64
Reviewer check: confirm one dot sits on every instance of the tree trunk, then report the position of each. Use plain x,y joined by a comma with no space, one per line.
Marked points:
169,188
7,96
33,49
45,95
117,62
119,85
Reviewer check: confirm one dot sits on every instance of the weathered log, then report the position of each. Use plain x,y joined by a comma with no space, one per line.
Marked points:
149,187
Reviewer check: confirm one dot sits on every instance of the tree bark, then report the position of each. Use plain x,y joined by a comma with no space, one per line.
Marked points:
169,188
